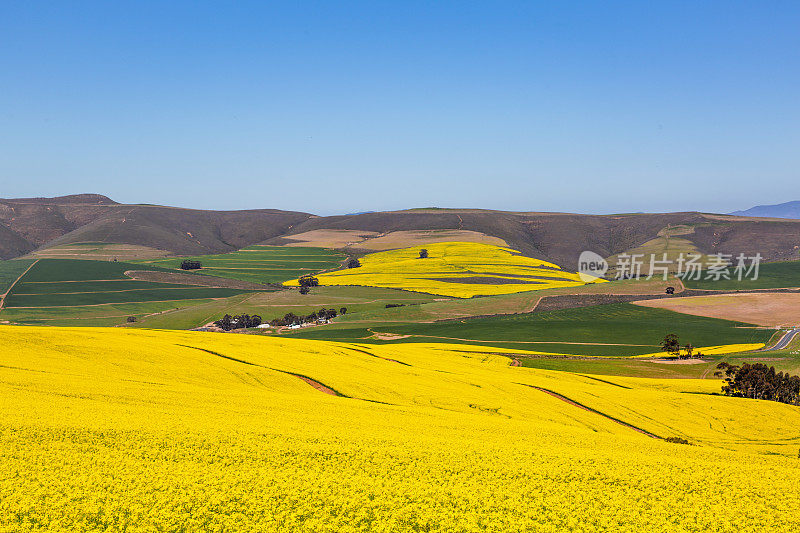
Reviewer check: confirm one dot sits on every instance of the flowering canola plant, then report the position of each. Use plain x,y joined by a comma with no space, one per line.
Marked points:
459,269
712,350
146,430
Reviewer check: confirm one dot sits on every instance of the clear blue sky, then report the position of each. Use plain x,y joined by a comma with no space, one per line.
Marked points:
336,107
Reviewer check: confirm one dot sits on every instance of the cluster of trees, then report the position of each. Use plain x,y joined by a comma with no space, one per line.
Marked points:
306,282
672,345
760,382
423,253
389,306
290,319
229,322
189,264
353,263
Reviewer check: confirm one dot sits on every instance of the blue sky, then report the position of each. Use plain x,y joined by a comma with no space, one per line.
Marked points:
336,107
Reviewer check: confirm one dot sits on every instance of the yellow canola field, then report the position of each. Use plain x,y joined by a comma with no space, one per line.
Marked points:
712,350
458,269
144,430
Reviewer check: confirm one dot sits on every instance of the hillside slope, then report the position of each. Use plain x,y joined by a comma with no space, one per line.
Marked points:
561,237
27,224
32,223
114,430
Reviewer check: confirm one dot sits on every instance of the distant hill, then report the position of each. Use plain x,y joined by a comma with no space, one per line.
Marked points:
87,198
27,224
785,210
37,223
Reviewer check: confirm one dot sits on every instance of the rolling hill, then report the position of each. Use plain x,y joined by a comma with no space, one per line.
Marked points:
106,429
28,224
43,223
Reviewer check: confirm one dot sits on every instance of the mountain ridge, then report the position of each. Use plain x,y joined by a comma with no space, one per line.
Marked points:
784,210
33,224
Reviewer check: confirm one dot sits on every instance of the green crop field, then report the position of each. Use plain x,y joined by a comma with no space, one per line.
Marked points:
10,271
269,305
179,292
94,315
623,324
85,292
605,330
52,270
770,276
261,264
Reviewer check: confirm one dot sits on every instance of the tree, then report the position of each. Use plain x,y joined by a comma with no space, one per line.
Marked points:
671,345
131,319
308,281
689,350
670,290
188,264
243,321
225,323
304,289
757,381
343,310
353,263
423,253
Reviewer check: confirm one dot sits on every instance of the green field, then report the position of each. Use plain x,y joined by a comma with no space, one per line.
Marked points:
94,315
52,270
770,276
179,292
85,292
261,264
269,305
608,330
10,271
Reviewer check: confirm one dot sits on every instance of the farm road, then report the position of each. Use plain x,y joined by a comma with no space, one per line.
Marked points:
784,341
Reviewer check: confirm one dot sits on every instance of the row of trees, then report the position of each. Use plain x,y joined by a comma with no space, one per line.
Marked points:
760,382
672,346
290,319
229,322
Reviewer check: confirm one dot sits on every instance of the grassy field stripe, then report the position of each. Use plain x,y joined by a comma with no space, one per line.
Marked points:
120,303
182,287
587,408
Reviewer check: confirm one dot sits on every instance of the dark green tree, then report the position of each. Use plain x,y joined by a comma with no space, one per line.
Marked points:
671,345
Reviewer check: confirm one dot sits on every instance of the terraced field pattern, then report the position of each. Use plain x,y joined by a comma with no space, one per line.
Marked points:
262,264
109,429
95,293
459,269
610,330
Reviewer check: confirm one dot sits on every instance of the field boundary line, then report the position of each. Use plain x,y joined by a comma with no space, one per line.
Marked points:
119,303
3,296
595,411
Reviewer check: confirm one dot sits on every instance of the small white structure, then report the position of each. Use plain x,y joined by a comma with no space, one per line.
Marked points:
263,326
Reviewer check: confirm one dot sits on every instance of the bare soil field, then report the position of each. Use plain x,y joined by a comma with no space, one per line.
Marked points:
763,309
99,252
373,240
404,239
331,238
